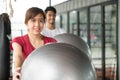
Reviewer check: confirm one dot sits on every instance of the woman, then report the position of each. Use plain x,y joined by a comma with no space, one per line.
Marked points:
22,46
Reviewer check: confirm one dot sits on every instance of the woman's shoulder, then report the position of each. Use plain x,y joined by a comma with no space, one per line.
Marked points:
48,39
19,40
20,37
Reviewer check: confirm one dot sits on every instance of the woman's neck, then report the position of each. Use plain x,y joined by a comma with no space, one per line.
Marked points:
36,40
35,37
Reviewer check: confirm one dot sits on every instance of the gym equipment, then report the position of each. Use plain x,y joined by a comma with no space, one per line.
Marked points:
4,49
75,41
57,61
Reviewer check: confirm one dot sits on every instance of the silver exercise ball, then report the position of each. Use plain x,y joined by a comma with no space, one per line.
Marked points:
75,41
57,61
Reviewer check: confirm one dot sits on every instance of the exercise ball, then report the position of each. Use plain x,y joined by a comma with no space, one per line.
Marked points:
75,41
57,61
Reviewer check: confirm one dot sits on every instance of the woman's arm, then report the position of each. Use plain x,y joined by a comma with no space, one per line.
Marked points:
17,60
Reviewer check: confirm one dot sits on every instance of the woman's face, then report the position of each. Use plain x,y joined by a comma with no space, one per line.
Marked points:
36,24
50,17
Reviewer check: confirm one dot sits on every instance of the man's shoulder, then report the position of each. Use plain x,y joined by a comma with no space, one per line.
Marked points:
61,30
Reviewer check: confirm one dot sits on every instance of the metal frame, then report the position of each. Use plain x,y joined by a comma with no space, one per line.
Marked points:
103,4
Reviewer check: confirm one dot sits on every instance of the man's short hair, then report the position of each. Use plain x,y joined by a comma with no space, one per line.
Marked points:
50,8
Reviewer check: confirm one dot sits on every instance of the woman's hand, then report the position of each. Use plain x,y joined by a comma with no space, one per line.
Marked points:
16,74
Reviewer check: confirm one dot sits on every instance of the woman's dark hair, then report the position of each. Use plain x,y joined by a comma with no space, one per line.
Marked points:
32,12
50,8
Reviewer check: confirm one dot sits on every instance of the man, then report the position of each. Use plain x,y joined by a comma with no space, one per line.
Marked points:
50,30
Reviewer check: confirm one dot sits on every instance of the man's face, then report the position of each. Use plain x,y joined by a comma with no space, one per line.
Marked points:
50,17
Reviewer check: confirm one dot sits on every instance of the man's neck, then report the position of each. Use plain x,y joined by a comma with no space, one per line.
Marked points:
50,26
